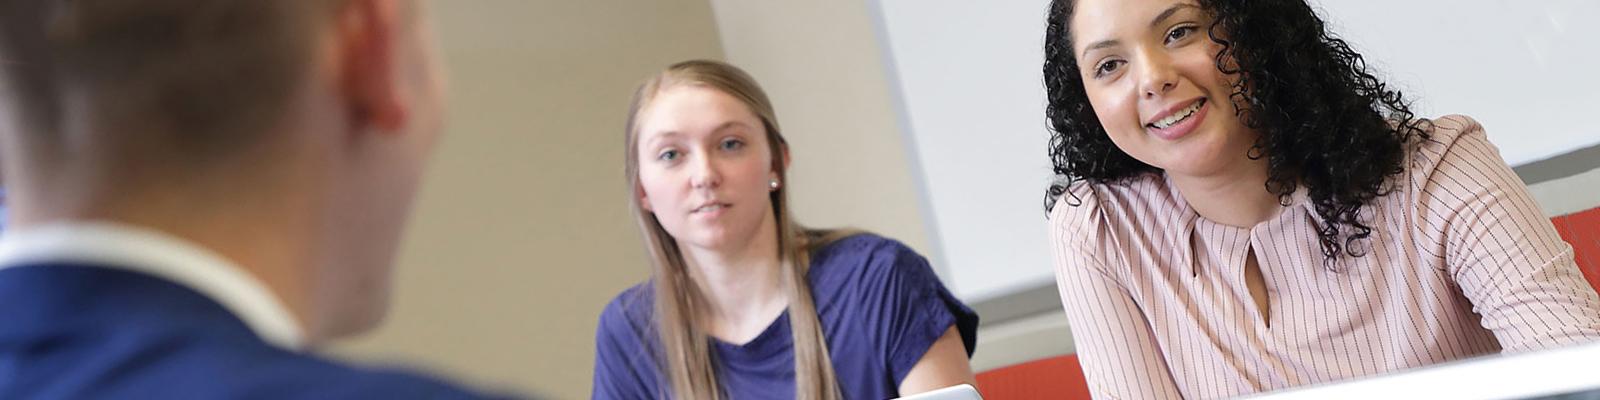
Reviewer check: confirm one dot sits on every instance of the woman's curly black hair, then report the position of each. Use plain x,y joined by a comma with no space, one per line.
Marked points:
1325,122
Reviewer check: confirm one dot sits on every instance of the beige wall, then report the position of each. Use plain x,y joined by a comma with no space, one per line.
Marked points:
820,62
522,233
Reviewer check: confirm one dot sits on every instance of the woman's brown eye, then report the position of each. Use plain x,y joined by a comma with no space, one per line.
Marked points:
1179,33
1106,67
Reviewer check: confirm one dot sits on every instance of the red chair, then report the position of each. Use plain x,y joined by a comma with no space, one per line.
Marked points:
1582,230
1050,378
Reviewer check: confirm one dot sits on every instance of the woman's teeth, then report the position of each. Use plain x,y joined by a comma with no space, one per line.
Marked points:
1179,116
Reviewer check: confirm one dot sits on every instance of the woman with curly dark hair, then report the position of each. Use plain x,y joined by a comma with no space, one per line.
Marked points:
1245,207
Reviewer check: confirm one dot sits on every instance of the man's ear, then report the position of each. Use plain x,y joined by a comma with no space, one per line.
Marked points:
366,32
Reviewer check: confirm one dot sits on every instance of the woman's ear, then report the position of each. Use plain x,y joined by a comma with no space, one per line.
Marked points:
644,198
786,159
773,175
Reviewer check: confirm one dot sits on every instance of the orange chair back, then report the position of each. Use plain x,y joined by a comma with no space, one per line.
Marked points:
1582,230
1050,378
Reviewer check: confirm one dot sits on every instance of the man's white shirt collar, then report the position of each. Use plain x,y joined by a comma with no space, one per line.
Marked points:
147,251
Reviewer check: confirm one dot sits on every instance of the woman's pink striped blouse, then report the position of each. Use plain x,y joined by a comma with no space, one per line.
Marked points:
1461,262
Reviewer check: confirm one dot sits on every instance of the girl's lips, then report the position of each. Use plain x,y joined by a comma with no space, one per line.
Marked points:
1183,127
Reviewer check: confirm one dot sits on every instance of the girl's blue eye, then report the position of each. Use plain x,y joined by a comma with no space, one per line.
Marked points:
668,155
732,144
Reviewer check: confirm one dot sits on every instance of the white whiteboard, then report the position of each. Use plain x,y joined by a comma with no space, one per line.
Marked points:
969,87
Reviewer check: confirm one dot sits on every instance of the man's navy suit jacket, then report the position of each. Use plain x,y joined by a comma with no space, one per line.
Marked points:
85,332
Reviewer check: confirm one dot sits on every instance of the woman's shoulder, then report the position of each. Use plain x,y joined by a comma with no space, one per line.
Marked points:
1078,205
863,250
630,311
1452,137
864,261
1443,135
872,274
627,350
860,244
1087,209
1453,125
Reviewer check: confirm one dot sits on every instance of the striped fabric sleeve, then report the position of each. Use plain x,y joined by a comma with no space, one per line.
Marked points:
1499,248
1118,351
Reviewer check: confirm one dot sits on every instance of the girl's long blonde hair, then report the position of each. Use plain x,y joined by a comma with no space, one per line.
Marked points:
685,347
